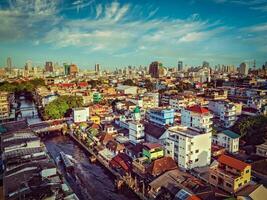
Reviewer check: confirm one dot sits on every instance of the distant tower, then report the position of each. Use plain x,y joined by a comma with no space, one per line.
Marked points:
205,64
243,69
97,68
180,65
254,65
49,66
9,64
28,65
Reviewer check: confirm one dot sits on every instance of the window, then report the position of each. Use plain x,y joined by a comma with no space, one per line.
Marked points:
228,185
240,184
245,181
196,160
247,171
197,151
213,177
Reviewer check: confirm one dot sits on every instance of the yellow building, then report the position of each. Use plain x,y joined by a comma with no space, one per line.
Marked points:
95,119
152,151
230,174
4,105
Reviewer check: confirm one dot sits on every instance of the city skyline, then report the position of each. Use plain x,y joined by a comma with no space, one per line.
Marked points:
121,33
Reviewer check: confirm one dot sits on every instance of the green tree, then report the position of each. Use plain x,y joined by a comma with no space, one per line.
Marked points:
60,106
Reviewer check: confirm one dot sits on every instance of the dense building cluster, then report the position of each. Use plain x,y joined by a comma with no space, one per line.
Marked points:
171,131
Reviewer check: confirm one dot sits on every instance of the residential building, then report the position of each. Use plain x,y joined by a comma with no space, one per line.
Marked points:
153,151
216,94
261,149
161,117
189,147
80,114
4,105
136,131
227,139
230,174
155,133
197,117
126,89
225,111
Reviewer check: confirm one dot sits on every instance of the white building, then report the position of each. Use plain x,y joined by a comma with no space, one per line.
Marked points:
126,89
136,131
243,69
189,147
226,111
197,117
179,103
80,114
227,139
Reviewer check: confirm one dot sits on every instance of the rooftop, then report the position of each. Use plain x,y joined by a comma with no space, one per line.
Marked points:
231,134
185,130
232,162
197,109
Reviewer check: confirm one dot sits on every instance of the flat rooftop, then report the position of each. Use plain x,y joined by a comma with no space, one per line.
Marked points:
185,130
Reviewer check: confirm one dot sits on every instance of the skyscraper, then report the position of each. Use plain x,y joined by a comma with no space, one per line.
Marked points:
97,68
66,69
205,64
9,64
49,66
156,69
243,69
180,65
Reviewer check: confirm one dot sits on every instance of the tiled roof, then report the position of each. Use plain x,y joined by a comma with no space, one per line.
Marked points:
231,134
232,162
152,145
162,165
198,109
154,130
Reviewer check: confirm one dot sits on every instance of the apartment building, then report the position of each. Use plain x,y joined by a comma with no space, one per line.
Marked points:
230,174
216,94
161,117
136,131
227,139
225,111
4,105
190,147
197,117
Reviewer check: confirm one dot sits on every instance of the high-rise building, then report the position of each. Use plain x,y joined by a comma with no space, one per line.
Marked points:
243,69
49,66
205,64
66,69
97,68
28,65
9,64
73,69
156,69
180,65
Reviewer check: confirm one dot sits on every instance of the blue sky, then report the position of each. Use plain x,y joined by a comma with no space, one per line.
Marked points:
136,32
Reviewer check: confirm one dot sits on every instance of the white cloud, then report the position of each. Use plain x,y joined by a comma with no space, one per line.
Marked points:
98,11
113,29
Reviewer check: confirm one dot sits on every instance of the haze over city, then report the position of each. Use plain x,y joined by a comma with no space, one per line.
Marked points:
122,33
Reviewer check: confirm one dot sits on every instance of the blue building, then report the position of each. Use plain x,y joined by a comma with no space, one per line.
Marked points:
161,117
